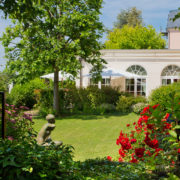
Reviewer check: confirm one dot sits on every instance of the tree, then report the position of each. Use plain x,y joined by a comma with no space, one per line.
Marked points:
131,17
55,39
135,38
19,9
4,79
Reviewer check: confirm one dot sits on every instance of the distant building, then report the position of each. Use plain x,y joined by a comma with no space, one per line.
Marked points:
173,30
155,67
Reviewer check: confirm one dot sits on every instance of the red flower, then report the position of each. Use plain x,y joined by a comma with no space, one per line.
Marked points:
120,159
148,153
155,106
134,123
128,125
145,110
124,141
109,158
151,143
117,141
179,150
150,126
133,141
167,126
139,152
122,153
157,151
134,160
167,116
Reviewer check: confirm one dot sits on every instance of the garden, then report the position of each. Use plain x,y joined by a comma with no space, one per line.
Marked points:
118,137
106,133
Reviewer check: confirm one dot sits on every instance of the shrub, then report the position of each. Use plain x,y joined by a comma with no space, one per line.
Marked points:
163,95
154,139
18,123
80,100
24,160
137,108
108,108
125,103
23,95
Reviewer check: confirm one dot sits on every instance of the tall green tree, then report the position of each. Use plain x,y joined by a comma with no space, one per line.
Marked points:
131,17
54,40
138,37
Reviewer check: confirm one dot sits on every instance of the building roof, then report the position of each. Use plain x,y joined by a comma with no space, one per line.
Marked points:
171,23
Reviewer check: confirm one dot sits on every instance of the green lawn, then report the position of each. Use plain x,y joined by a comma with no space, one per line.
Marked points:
91,136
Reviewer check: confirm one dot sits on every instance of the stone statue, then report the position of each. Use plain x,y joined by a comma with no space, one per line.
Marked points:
43,137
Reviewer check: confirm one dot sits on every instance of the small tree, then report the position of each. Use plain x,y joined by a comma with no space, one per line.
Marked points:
131,17
55,38
135,38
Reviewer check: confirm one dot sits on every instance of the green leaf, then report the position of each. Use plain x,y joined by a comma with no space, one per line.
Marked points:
173,134
177,127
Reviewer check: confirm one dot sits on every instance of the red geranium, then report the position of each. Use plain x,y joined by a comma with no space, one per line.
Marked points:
109,158
122,153
139,152
133,141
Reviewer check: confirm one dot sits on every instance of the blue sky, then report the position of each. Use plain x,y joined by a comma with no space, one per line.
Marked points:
154,12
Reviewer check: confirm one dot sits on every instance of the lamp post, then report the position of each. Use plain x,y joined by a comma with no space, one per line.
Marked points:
2,94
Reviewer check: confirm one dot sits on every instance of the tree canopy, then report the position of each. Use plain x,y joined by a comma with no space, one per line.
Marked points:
130,17
138,37
61,32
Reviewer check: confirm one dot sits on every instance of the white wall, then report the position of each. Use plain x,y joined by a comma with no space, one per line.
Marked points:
153,61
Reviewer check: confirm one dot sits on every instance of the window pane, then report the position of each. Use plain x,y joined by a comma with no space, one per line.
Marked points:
168,81
138,87
108,81
132,88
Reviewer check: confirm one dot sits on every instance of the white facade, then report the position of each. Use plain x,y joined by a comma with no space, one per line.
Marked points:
153,61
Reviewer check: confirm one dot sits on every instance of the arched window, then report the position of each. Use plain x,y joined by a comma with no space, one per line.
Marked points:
170,74
136,85
138,70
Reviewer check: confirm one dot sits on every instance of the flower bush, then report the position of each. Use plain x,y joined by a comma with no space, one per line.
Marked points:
137,108
19,123
154,138
22,158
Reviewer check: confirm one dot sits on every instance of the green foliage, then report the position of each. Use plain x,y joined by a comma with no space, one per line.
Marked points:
103,169
137,108
131,17
54,39
138,37
106,108
74,100
124,104
27,160
3,82
24,94
164,95
18,123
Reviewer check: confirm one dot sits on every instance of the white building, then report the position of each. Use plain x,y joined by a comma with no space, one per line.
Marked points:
156,67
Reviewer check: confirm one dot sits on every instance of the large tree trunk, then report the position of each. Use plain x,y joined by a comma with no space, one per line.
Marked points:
56,91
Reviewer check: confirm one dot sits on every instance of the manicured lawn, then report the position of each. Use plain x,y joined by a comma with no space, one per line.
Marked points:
91,136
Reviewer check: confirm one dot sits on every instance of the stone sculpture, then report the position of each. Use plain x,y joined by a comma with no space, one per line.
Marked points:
43,137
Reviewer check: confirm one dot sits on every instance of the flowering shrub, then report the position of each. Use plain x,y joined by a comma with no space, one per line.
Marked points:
19,123
153,139
137,108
